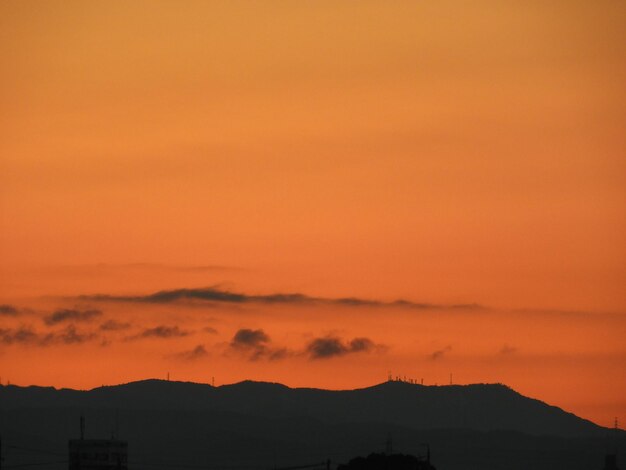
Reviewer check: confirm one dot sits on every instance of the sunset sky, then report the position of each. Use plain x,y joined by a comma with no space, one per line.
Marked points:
317,193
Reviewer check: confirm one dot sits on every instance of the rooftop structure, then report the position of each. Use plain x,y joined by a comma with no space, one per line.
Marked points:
98,454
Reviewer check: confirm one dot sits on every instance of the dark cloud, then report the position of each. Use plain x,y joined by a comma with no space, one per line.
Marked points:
210,330
168,296
361,344
9,310
440,353
321,348
71,315
255,344
355,302
215,294
161,331
246,338
112,325
21,335
199,352
277,354
26,335
331,346
67,336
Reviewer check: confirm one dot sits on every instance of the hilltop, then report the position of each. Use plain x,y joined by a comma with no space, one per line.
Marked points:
485,407
267,425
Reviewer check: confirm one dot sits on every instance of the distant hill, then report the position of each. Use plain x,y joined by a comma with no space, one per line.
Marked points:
486,407
252,425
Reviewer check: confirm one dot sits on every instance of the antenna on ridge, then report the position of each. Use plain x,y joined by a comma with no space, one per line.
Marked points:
389,445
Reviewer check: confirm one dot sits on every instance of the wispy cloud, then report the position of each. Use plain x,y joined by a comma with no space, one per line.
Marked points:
113,269
9,310
332,346
64,315
21,335
70,335
112,325
440,353
215,294
170,267
162,332
27,335
507,350
199,352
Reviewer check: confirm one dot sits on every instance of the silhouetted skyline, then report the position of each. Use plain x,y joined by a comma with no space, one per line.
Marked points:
168,424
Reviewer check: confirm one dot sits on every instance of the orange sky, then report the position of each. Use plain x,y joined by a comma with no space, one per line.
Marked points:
445,153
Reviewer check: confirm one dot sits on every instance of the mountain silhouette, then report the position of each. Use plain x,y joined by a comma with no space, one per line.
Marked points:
484,407
268,425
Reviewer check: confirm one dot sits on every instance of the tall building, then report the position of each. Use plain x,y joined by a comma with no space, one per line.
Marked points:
610,462
98,454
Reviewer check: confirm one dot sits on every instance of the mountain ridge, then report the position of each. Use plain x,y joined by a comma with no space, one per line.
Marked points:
483,407
251,424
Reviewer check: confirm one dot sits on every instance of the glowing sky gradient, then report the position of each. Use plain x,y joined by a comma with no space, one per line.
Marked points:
467,158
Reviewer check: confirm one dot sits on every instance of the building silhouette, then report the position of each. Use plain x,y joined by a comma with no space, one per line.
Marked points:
610,462
384,461
97,454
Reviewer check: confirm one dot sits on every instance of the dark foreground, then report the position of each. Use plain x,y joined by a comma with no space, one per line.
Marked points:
256,427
